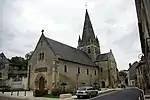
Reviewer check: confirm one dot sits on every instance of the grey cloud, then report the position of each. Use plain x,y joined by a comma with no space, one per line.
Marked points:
113,21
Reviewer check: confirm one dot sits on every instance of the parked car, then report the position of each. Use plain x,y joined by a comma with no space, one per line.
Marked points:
86,91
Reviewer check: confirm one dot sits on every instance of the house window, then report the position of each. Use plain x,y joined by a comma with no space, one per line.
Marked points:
78,70
65,68
87,71
89,50
95,72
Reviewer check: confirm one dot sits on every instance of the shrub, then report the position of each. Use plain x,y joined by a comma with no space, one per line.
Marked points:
39,93
57,92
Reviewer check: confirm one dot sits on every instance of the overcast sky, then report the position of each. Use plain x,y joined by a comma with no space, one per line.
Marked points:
114,22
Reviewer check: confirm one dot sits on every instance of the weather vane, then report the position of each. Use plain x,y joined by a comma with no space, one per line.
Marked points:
86,5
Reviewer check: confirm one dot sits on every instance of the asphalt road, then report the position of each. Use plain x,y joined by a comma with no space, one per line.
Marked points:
126,94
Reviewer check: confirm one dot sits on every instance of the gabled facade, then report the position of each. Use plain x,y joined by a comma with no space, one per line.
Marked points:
54,63
109,75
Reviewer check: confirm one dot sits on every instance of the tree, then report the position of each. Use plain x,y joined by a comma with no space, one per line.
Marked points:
28,55
18,62
122,73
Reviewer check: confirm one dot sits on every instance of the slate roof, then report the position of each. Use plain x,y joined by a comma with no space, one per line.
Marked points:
69,53
102,57
88,32
132,70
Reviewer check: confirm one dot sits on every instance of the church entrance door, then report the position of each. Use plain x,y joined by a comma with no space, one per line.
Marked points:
41,83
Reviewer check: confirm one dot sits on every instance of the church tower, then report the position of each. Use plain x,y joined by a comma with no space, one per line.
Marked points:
89,42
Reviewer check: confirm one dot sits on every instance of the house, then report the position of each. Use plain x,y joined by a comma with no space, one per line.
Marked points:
133,74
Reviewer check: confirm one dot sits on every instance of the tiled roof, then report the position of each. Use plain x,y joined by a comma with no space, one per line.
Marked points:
69,53
103,57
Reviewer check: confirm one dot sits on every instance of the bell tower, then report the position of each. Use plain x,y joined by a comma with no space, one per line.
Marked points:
89,42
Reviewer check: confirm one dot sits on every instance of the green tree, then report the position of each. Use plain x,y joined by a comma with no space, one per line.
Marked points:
122,73
19,62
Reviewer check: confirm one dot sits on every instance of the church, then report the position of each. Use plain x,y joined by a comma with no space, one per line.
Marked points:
53,63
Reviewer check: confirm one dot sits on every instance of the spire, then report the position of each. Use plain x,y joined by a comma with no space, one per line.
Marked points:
88,32
79,40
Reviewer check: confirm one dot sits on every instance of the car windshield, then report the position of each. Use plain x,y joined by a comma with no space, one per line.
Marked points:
82,88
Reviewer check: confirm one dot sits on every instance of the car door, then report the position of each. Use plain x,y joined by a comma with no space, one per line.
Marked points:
91,91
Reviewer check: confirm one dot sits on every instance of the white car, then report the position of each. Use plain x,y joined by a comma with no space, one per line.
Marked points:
86,91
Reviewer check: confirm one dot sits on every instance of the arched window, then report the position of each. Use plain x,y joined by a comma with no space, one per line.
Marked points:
65,68
95,50
78,70
95,72
101,69
87,71
89,50
42,56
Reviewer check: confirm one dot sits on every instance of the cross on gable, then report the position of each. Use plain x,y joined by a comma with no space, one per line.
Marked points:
42,31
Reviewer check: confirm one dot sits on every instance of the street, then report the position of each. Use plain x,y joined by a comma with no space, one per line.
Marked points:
126,94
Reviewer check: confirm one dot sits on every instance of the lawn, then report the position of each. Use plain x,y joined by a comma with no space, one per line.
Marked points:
50,96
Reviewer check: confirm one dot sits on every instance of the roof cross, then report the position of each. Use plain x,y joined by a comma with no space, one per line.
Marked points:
42,31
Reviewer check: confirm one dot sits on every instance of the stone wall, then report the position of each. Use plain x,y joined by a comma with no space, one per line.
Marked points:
72,78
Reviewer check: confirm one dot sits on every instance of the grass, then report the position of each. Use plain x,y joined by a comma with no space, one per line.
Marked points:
50,96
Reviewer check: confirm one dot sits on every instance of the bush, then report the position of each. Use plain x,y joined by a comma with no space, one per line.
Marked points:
39,93
57,92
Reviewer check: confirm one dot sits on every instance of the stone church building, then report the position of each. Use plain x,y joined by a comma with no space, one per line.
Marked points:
53,63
